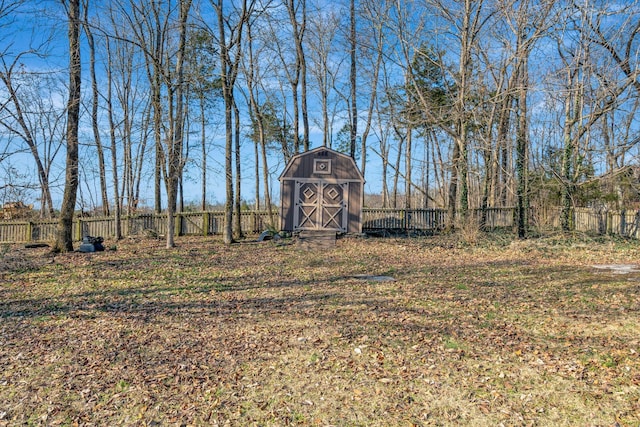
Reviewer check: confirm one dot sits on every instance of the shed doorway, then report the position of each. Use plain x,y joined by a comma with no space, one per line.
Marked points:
321,205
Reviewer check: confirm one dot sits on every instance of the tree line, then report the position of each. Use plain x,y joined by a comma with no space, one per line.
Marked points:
461,104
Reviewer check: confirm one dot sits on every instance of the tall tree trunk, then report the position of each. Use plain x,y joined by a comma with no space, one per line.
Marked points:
396,167
299,76
64,238
499,183
571,107
238,177
155,79
159,156
522,143
324,100
94,113
452,199
303,76
203,147
228,170
228,74
385,186
488,157
353,131
140,162
463,169
256,161
124,93
254,113
467,36
175,156
227,95
117,205
296,109
265,177
427,171
407,162
439,168
372,100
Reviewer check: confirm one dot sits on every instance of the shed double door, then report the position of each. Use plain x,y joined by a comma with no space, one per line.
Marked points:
321,205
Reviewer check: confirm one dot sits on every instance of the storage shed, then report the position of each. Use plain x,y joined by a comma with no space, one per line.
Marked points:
321,189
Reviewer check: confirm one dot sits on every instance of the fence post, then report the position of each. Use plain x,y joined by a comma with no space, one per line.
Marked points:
609,224
79,230
205,223
177,224
29,235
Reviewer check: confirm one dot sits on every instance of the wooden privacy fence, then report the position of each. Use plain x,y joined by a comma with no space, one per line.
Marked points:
625,223
186,223
403,219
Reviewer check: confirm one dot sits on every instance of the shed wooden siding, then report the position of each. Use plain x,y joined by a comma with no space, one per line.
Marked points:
301,168
287,190
355,208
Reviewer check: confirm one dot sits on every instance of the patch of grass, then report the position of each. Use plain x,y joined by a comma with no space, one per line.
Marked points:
221,287
122,386
608,361
452,344
4,249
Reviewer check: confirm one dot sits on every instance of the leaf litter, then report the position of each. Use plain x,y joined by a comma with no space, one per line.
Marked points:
527,333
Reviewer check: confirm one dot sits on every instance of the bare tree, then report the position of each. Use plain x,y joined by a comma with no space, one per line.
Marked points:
238,178
204,82
146,26
375,14
463,22
160,30
129,104
473,19
117,210
295,8
323,31
230,32
256,68
529,25
251,73
64,237
31,116
95,96
591,90
293,61
353,80
175,157
614,33
29,113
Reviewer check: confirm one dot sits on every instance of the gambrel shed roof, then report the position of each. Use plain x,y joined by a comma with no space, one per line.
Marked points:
312,164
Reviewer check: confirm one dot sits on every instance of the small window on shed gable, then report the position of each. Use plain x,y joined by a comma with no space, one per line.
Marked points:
322,166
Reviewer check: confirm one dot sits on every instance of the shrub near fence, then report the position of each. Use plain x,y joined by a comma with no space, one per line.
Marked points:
624,223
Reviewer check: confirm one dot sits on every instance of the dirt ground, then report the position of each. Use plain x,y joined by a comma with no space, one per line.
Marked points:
372,332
